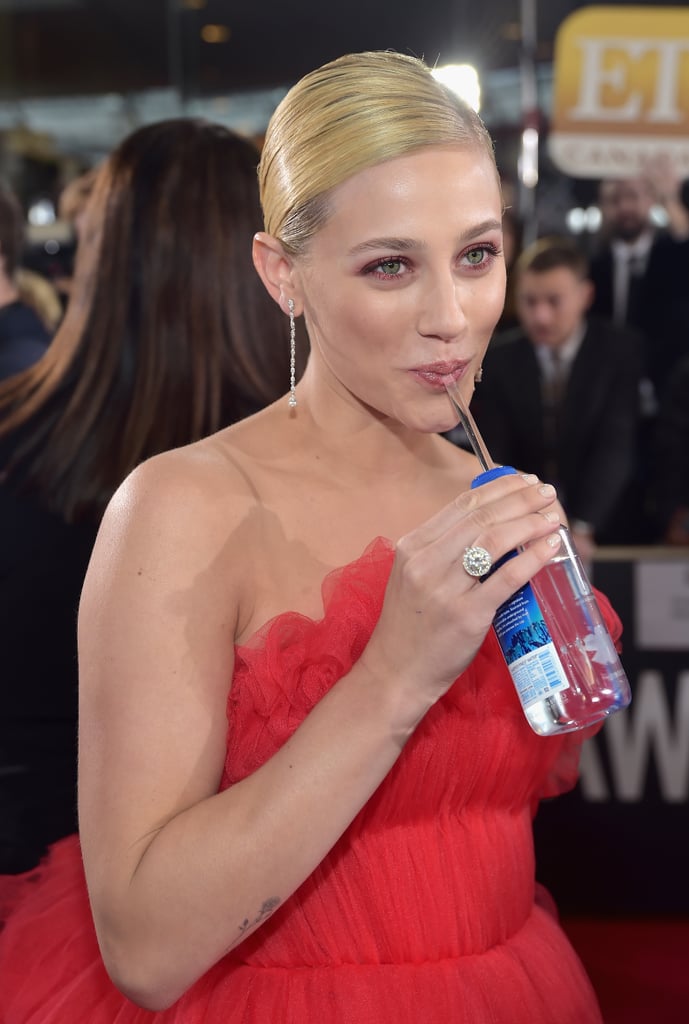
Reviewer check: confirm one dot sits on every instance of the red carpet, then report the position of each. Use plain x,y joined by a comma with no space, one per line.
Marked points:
639,968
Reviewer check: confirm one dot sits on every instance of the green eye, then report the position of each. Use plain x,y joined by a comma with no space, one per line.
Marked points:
475,256
391,267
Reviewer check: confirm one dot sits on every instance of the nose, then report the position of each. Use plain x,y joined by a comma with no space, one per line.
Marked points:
442,314
541,314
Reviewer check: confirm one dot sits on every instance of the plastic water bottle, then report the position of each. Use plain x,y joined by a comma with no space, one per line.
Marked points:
557,647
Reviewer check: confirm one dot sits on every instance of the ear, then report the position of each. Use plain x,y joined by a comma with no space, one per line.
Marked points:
588,290
275,269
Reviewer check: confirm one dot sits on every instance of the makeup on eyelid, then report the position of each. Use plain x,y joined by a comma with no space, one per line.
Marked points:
489,251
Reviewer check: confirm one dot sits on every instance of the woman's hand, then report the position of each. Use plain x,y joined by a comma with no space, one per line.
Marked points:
435,615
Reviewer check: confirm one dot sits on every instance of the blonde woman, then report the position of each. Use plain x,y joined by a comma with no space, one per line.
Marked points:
306,783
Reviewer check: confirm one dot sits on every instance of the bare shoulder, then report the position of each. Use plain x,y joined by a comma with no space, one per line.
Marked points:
196,489
179,515
186,481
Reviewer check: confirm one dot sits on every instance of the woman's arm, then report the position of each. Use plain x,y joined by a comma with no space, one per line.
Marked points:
176,870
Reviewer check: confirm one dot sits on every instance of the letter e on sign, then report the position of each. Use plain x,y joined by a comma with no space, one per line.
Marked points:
621,90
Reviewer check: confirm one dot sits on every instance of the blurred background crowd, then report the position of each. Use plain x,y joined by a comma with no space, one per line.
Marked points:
131,319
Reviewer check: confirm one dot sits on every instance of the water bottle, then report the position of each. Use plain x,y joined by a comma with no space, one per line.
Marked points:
557,647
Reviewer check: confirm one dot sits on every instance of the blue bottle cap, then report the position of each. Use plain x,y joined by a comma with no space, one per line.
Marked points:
492,474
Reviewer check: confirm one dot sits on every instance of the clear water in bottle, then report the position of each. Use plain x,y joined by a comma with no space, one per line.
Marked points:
558,648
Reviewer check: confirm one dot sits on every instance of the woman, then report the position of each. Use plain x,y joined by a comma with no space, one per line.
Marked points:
168,337
356,846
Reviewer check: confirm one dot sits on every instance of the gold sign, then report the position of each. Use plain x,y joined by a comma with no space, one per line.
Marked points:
621,90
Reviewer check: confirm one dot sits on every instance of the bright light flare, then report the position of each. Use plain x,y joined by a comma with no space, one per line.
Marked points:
463,80
528,160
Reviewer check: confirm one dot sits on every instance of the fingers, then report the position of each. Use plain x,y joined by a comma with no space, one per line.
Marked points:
502,516
515,572
502,537
495,519
506,515
505,497
527,522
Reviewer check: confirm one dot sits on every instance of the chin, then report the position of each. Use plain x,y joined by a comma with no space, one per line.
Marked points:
438,425
434,417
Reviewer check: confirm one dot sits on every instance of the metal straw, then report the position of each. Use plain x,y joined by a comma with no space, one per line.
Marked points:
469,424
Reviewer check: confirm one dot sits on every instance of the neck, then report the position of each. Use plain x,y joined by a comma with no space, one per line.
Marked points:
357,439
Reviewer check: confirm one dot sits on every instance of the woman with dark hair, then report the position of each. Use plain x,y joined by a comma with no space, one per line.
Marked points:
168,336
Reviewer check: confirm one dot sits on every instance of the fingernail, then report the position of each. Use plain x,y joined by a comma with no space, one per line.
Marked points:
547,490
552,517
530,478
554,540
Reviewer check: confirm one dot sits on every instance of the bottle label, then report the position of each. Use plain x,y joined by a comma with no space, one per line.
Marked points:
528,648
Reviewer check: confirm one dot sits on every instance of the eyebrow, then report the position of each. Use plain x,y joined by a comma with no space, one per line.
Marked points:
396,244
404,244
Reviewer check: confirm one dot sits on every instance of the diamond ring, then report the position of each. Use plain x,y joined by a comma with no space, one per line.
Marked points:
476,561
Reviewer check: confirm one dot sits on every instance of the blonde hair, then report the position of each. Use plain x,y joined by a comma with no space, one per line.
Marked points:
350,114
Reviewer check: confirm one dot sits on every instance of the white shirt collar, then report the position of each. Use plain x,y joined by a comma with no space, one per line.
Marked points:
640,247
567,350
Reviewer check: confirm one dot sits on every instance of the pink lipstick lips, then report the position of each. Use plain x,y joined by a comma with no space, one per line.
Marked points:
438,374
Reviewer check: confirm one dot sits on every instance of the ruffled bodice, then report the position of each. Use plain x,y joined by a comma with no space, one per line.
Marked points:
424,910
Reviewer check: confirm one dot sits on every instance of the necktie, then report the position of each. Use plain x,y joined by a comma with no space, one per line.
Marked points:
635,273
554,387
556,380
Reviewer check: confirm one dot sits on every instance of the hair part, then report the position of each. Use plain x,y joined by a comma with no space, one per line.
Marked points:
354,112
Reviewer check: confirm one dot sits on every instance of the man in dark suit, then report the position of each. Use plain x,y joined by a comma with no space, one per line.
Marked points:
639,271
559,395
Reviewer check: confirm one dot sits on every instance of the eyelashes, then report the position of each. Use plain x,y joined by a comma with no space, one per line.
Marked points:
392,267
382,269
485,248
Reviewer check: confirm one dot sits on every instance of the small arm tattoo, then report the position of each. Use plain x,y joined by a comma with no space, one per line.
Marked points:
267,908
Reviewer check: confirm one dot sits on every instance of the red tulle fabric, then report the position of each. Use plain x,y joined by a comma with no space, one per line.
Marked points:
425,910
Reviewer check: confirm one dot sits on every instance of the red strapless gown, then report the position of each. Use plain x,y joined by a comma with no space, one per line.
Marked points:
424,912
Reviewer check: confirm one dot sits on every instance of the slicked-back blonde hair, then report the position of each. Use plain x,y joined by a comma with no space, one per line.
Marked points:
350,114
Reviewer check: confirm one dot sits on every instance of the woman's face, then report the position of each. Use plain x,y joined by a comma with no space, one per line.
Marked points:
404,283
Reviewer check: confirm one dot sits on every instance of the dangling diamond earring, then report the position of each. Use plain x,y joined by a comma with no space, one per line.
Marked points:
292,355
478,376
